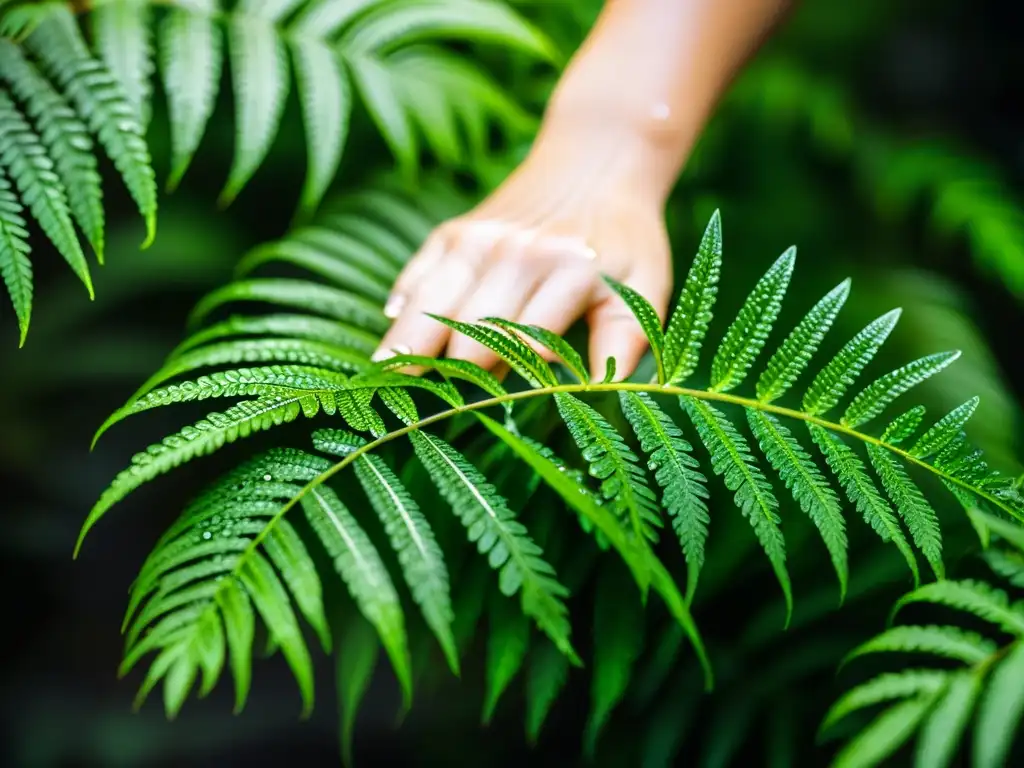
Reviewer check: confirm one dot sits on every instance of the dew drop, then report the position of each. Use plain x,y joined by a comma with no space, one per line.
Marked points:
268,478
207,535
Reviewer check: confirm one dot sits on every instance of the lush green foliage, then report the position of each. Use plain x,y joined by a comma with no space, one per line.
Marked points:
940,702
57,93
317,361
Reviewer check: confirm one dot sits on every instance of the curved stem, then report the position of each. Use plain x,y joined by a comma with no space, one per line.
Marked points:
652,388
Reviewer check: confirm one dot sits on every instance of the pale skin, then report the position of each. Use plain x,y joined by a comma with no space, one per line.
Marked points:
590,196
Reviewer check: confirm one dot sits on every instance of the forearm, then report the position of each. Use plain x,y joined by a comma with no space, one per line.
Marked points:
635,97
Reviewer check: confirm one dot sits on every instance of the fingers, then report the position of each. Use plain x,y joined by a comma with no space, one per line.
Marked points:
615,332
504,290
559,301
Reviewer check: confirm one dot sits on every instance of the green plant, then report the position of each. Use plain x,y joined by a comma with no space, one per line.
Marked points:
939,702
54,86
195,589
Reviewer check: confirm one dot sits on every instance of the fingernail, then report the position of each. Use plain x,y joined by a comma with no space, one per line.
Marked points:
394,306
384,354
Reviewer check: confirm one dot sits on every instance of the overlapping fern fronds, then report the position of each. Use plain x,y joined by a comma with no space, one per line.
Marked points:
333,51
220,558
55,99
56,94
976,676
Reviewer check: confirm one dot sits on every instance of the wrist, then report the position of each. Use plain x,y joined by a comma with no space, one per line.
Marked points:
640,153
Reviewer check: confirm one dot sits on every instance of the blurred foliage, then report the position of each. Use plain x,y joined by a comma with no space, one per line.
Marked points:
828,140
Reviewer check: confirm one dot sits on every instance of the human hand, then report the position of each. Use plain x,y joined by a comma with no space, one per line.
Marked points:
533,252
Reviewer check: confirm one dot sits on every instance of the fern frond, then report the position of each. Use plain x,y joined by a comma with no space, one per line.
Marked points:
65,137
623,482
293,326
874,398
676,471
15,268
122,36
863,494
99,98
945,430
903,426
411,537
912,506
833,380
492,526
507,645
975,597
732,459
809,487
31,170
795,353
546,675
692,316
191,57
749,331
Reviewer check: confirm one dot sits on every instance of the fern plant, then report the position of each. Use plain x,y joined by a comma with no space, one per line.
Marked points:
980,677
55,92
234,552
378,50
55,97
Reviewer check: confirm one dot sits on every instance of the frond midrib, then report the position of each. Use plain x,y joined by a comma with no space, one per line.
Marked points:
651,388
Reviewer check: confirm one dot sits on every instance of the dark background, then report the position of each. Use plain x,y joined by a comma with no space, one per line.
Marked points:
952,69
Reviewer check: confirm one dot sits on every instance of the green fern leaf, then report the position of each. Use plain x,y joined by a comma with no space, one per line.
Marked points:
121,34
1000,711
300,294
903,426
921,683
520,357
299,327
618,642
623,482
974,597
945,725
271,601
287,552
387,28
367,255
15,268
343,274
379,94
359,565
884,735
191,58
748,333
731,458
676,471
205,436
945,430
497,534
507,645
648,319
689,322
547,673
259,68
98,97
239,631
948,642
863,494
809,487
873,399
356,662
32,171
456,369
326,107
551,341
66,140
793,356
834,379
413,541
912,506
